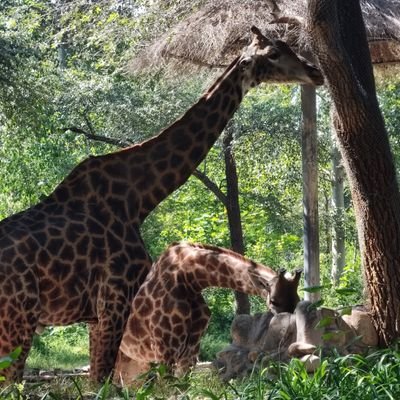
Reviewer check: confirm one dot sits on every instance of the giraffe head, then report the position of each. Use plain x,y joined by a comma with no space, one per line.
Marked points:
283,296
280,291
266,60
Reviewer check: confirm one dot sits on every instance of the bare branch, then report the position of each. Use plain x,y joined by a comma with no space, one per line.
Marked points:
99,138
209,184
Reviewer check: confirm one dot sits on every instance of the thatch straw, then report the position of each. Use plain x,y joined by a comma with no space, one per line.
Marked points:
216,32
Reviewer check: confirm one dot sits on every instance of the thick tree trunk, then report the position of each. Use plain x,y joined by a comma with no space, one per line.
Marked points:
339,41
233,211
338,233
310,191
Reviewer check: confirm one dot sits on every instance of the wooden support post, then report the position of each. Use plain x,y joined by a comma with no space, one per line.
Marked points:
310,190
338,234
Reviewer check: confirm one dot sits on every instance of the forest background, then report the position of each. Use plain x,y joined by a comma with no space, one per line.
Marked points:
65,80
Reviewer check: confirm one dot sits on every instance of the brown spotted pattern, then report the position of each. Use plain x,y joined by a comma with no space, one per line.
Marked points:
169,314
78,255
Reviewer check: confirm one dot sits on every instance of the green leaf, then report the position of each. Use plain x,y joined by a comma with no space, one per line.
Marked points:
5,362
315,305
324,322
315,289
345,291
16,353
345,311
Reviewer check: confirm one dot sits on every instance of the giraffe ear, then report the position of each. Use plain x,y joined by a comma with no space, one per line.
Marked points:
259,39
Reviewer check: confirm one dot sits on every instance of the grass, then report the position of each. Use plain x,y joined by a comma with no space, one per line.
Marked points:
63,348
372,377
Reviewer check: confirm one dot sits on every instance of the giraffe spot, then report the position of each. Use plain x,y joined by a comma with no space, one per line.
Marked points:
180,140
97,255
54,246
113,242
116,170
196,154
76,206
49,208
212,120
118,207
158,332
178,329
145,308
146,181
158,194
100,213
195,127
8,255
159,151
99,242
95,227
136,172
147,203
62,194
119,188
38,226
59,270
79,188
175,342
98,182
161,165
43,258
118,264
201,136
5,241
223,269
199,112
215,100
73,231
165,323
168,181
22,248
175,160
82,246
183,307
67,253
57,303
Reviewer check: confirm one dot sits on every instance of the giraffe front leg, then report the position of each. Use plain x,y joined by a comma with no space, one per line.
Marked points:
17,326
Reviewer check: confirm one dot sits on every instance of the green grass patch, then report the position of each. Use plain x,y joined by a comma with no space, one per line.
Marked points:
60,348
372,377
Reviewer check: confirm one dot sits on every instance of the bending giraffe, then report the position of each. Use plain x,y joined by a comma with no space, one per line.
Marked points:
169,314
78,255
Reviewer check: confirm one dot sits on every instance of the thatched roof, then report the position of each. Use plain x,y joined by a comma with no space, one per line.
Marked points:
220,28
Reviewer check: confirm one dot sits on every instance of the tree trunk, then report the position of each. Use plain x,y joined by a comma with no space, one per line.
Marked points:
233,211
338,234
338,38
310,191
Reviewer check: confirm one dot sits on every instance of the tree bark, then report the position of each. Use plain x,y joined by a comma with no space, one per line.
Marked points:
310,191
338,38
233,211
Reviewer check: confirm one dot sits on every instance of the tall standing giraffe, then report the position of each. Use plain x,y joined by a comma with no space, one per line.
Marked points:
169,314
78,255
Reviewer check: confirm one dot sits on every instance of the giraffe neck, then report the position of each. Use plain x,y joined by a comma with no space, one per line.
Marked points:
131,182
205,266
175,153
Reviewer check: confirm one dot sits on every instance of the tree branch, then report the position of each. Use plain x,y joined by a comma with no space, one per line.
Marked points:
99,138
209,184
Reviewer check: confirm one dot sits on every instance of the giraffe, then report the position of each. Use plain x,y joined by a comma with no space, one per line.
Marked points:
169,314
78,254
